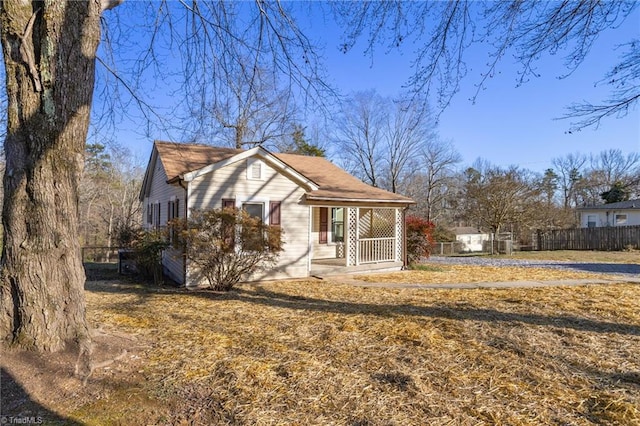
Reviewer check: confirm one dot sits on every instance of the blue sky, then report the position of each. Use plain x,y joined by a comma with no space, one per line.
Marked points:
507,125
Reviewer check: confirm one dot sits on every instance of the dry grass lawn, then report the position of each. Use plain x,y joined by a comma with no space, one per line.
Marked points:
318,353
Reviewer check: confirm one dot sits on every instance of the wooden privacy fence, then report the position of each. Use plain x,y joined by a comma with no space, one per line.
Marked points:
608,238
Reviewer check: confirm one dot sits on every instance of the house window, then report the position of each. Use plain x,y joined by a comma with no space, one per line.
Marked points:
621,219
251,239
254,210
591,221
173,210
337,224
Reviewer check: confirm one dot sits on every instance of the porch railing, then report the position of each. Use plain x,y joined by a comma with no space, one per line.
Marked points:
377,249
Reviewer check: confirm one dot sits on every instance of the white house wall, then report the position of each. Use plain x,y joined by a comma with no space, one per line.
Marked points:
472,242
162,193
607,217
234,182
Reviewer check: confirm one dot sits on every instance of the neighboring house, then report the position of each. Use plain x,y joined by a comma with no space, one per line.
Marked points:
331,221
470,238
624,213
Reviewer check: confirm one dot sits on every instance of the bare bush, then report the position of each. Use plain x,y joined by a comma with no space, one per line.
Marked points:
228,245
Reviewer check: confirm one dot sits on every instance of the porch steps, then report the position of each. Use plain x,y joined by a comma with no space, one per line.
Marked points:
323,270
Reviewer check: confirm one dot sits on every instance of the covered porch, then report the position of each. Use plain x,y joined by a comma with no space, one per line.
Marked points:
356,239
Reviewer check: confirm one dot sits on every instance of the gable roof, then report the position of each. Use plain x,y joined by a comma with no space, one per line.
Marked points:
180,158
328,182
335,184
622,205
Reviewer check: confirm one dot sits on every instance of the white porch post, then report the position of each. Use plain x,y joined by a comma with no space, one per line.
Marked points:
310,240
352,250
399,235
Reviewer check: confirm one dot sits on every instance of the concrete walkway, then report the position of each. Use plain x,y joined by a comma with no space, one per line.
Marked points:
351,280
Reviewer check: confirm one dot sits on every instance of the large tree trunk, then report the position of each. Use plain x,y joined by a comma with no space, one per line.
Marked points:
49,54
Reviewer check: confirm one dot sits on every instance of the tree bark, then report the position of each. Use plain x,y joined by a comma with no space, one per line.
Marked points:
49,54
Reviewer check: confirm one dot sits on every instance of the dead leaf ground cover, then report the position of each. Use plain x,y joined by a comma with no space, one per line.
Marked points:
313,352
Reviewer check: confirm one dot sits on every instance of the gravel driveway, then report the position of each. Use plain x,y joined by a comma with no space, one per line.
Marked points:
607,268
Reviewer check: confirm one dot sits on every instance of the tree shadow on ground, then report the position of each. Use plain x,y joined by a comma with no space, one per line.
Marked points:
18,407
256,294
262,296
607,268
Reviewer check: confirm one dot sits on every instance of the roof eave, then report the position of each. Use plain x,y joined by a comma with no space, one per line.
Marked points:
148,175
359,201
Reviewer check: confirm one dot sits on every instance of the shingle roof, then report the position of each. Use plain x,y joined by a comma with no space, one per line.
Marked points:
627,205
334,183
180,158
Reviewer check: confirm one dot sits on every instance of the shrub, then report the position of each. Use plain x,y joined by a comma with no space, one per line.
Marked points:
227,245
147,248
419,238
126,235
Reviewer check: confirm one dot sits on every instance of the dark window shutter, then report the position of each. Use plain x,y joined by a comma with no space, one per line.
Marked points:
324,224
176,206
228,229
274,213
228,203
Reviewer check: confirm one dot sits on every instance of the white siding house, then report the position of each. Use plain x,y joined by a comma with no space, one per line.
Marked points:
624,213
471,239
331,221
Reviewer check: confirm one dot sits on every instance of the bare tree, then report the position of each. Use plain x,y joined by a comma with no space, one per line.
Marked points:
108,191
612,169
569,170
359,133
624,79
248,111
495,197
409,126
444,31
433,185
617,167
381,139
49,51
